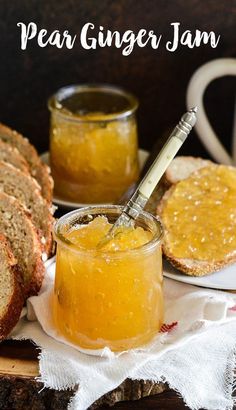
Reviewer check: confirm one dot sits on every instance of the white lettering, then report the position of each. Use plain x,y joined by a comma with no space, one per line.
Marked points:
106,41
27,33
155,41
190,39
83,37
41,35
70,41
173,46
186,39
128,37
108,38
204,37
43,38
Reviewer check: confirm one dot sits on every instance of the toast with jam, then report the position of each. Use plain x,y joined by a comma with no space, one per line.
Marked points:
198,213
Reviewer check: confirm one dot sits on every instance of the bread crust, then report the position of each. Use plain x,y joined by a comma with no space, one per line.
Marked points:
22,182
40,171
33,285
12,155
15,305
181,167
200,268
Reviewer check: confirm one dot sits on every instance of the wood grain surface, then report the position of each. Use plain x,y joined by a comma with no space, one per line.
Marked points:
19,390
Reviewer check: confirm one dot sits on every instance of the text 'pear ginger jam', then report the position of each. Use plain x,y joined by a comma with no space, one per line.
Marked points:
110,296
200,215
93,143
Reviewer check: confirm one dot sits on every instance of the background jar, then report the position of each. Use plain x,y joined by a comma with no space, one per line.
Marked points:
93,142
109,299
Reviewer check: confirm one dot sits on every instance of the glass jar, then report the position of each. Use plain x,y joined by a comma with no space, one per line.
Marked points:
106,298
93,143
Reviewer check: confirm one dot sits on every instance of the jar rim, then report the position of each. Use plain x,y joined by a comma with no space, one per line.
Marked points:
55,100
58,236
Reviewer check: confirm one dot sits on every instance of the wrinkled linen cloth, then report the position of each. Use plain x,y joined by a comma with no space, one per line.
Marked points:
194,353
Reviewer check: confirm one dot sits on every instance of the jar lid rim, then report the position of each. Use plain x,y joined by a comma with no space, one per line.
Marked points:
156,239
54,102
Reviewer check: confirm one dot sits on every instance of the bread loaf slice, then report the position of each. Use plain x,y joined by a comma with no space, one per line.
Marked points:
12,156
199,219
38,170
17,227
182,166
11,297
25,188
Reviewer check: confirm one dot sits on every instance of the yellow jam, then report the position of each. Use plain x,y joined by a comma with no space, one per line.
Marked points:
111,298
93,162
200,215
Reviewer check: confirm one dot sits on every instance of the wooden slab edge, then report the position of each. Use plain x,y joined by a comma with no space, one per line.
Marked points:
19,390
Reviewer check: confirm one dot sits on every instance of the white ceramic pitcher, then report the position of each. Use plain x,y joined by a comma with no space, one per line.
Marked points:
195,92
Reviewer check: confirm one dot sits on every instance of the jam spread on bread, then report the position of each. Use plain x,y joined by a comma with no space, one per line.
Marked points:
199,216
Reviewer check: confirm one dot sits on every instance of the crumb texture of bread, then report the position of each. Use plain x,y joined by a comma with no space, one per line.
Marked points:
11,297
17,227
182,166
12,156
26,218
40,171
199,220
25,188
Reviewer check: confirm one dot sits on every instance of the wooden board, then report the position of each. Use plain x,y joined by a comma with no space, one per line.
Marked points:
19,390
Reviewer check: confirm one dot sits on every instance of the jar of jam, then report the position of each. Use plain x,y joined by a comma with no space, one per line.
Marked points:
110,296
93,143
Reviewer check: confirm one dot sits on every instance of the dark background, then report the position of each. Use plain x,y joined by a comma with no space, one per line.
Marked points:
157,77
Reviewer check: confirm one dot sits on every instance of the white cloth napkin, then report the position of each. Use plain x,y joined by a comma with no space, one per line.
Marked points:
195,356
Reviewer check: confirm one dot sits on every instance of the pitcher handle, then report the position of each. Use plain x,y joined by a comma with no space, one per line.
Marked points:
195,92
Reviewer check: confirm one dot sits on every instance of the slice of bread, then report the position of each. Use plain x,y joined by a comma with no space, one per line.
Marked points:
203,201
182,166
25,188
17,227
38,170
11,154
11,297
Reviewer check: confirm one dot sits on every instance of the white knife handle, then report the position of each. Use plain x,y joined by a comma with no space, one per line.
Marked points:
165,156
160,165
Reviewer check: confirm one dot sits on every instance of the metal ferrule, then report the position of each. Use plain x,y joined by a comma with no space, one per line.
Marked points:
135,205
185,125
